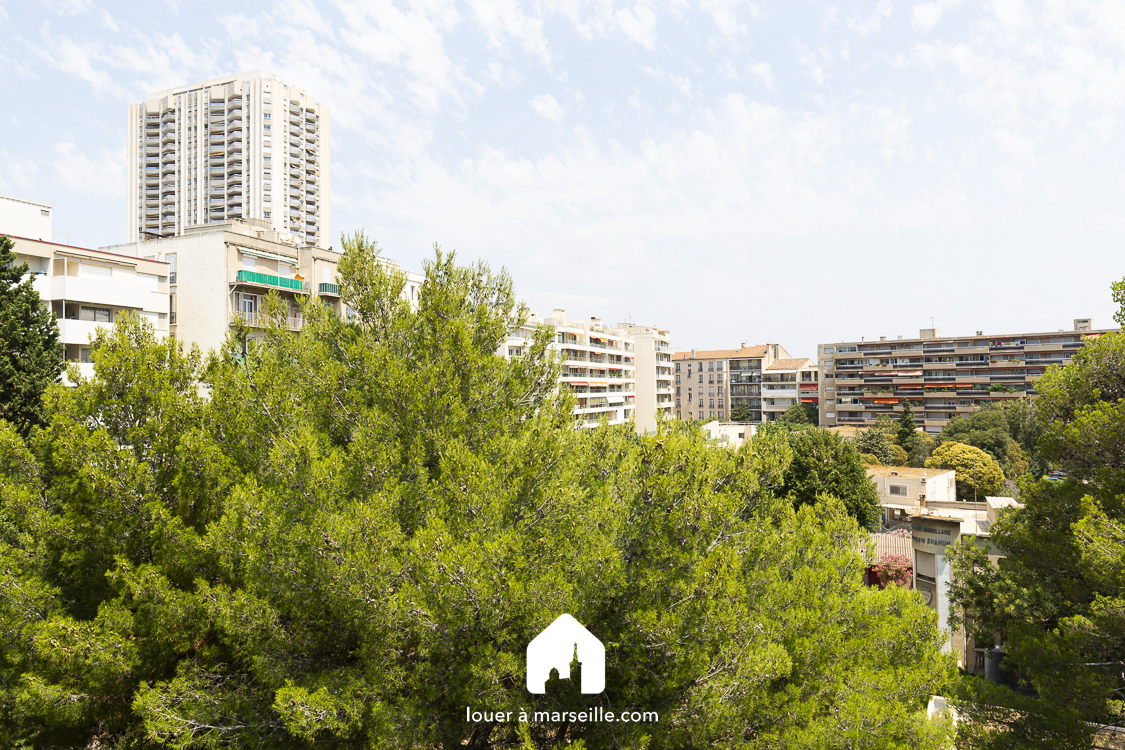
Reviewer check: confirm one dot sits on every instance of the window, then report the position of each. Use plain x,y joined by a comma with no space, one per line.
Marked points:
720,406
96,314
267,115
248,303
829,388
829,349
85,354
719,366
711,404
710,367
830,401
677,403
720,378
720,390
700,377
831,415
898,490
701,403
701,413
677,370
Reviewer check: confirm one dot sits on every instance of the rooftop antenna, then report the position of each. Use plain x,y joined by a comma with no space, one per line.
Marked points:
931,321
57,232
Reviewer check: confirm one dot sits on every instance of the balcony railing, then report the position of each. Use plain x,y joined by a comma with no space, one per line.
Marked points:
253,277
326,288
258,320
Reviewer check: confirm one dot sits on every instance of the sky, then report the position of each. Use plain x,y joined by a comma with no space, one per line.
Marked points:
786,172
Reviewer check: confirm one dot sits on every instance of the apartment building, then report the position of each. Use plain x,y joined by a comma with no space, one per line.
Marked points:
653,348
935,526
90,289
786,382
939,376
243,146
24,218
709,383
598,365
219,274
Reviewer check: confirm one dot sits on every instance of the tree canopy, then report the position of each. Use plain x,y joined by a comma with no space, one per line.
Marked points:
878,443
346,538
1057,599
978,475
31,355
823,463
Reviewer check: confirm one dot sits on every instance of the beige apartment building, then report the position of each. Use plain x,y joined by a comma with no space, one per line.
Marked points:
220,274
598,365
939,376
653,374
85,289
709,383
786,382
245,146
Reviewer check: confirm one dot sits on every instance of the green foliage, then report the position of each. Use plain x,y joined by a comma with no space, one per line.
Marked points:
870,459
31,355
742,413
823,463
357,531
1117,288
906,429
978,475
801,414
1057,600
878,443
986,429
900,456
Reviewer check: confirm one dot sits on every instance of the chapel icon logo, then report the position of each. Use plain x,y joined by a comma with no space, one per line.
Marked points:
555,647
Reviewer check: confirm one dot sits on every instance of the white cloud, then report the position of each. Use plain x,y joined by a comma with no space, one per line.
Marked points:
547,106
927,15
764,72
639,24
503,19
874,22
103,175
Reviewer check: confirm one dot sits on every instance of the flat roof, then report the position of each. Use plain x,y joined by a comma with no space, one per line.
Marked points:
85,249
750,351
916,340
906,472
790,364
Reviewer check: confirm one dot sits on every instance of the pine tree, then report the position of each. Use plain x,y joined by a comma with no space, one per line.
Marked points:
31,355
906,430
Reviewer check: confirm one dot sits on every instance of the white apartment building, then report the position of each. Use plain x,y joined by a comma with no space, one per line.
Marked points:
24,218
786,382
599,365
220,274
710,383
90,289
653,374
242,146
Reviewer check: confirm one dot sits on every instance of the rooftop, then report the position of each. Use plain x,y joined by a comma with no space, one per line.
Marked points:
790,364
746,351
906,472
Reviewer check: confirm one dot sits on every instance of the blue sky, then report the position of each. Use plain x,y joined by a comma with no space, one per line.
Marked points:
793,172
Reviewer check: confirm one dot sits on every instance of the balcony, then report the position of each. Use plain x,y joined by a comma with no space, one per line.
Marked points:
253,277
326,288
258,320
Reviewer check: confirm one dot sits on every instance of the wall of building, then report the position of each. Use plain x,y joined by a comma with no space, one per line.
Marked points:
24,218
941,376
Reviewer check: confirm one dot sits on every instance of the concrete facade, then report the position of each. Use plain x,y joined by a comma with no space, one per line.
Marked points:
243,146
940,376
905,489
653,374
598,365
934,528
221,273
786,382
24,218
709,383
91,289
